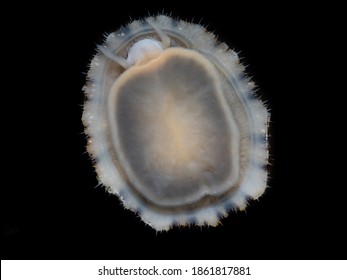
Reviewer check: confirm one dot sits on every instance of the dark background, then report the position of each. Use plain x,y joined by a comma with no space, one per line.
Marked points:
50,205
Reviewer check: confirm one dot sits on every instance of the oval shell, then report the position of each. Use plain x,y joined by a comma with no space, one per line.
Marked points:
174,128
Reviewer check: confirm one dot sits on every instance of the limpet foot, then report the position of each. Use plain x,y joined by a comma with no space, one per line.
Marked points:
174,124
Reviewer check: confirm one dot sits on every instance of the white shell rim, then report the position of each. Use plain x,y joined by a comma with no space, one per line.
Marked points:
254,182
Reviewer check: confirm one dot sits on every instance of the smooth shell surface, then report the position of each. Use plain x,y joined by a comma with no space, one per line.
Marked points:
173,125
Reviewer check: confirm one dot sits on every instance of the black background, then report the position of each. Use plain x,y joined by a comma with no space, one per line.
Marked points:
50,205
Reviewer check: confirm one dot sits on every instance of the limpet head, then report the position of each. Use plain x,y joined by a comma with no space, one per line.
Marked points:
173,125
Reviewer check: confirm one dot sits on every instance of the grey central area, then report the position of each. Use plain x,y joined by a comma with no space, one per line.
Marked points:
173,131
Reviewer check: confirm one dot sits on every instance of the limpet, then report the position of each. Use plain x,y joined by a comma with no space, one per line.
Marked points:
173,125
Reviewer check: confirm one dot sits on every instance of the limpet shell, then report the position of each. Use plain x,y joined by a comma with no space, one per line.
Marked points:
173,125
